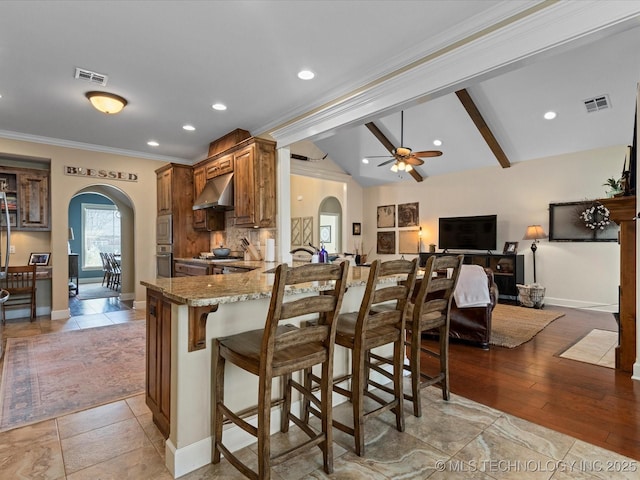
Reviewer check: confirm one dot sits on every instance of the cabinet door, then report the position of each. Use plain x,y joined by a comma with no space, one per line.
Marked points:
244,181
158,361
34,201
265,188
199,181
164,192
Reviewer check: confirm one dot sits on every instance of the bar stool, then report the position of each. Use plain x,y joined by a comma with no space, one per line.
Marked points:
431,310
278,351
366,329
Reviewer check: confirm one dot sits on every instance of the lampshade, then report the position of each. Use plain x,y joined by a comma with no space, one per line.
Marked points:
534,232
71,236
106,102
394,167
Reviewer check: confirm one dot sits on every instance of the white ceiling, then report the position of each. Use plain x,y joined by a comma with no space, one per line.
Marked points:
172,60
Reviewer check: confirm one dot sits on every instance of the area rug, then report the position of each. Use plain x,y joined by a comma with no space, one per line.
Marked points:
90,291
597,347
46,376
512,325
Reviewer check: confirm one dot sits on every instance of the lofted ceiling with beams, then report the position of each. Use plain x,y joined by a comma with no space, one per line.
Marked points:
172,60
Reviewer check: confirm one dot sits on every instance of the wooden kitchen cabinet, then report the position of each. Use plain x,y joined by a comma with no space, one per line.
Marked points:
158,360
255,184
28,197
175,197
199,181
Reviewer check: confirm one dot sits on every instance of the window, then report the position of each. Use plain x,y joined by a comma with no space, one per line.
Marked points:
100,233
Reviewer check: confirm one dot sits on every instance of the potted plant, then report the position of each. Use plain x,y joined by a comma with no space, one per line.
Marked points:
614,185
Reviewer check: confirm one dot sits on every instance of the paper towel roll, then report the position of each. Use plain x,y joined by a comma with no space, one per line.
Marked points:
270,250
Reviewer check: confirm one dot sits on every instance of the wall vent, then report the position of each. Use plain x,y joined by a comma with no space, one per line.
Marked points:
93,77
597,103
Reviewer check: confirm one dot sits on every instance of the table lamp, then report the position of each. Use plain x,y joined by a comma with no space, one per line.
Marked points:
71,237
535,233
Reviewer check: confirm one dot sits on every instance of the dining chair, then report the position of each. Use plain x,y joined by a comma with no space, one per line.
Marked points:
277,351
20,282
366,329
106,269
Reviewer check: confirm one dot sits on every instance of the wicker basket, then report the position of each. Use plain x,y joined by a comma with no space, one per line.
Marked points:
531,295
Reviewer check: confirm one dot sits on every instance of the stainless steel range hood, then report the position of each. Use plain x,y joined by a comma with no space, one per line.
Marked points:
217,194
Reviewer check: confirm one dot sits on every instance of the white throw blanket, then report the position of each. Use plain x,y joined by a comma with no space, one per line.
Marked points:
472,289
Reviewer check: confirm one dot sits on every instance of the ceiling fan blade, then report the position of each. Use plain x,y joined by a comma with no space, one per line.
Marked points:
414,173
380,136
413,160
428,153
387,162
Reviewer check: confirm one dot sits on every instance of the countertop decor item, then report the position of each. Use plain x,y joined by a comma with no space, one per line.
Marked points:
221,252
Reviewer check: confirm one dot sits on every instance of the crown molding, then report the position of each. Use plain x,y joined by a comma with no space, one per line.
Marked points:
551,26
57,142
312,170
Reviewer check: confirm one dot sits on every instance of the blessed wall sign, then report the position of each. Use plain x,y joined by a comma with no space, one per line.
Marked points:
100,173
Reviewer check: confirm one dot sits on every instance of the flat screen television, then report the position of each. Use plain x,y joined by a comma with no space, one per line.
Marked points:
468,233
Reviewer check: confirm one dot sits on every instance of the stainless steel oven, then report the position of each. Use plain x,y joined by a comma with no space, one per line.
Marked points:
164,260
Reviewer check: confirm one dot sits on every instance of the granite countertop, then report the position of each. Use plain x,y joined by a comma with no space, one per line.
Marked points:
205,290
248,264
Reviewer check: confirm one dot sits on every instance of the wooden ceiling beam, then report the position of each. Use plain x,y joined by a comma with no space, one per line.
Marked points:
483,128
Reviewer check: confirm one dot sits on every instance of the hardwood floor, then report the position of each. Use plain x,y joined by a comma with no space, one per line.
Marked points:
596,404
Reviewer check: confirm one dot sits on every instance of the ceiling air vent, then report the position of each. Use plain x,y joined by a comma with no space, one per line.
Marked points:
92,77
597,103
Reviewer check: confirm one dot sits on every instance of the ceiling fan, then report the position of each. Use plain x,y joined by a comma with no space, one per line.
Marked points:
403,158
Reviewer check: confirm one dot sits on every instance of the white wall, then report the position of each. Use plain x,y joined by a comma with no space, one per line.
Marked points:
578,274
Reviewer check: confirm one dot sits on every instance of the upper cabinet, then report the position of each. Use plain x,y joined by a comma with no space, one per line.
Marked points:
27,198
165,177
199,181
255,184
253,163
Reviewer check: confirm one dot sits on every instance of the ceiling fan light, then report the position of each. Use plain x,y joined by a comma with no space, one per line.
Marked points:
402,165
108,103
394,168
408,168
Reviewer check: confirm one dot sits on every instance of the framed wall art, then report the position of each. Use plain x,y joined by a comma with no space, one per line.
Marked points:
510,248
408,214
357,229
296,231
586,221
387,216
325,233
307,230
408,241
386,244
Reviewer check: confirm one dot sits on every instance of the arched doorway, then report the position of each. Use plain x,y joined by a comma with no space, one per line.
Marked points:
118,203
330,224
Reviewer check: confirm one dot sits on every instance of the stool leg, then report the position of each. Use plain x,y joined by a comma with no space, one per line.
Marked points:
217,398
286,404
264,427
398,359
444,362
358,383
414,362
326,394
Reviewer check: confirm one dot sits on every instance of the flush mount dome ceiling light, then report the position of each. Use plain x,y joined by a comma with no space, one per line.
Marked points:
108,103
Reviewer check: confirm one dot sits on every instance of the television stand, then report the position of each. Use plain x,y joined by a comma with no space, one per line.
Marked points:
508,270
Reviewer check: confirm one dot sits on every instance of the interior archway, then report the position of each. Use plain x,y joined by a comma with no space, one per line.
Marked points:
330,224
125,207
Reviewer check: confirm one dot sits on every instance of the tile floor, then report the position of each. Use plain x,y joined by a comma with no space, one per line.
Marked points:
455,439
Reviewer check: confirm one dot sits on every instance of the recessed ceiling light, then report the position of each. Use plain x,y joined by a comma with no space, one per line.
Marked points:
306,74
153,143
550,115
189,128
437,143
365,160
219,106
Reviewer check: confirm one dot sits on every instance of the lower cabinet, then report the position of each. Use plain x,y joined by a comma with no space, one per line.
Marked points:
158,381
508,270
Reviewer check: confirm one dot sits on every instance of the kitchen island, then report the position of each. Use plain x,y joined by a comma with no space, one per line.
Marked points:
184,314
